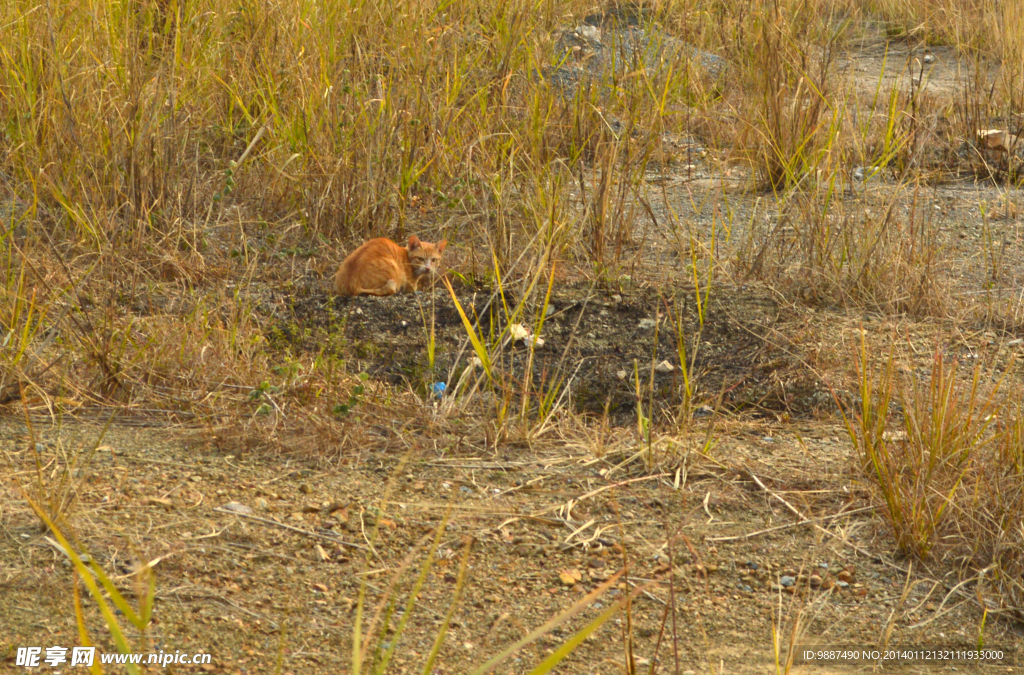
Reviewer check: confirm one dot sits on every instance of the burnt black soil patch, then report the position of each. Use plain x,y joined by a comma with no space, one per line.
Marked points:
594,342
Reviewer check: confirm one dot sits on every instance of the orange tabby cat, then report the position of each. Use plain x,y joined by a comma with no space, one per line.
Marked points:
382,267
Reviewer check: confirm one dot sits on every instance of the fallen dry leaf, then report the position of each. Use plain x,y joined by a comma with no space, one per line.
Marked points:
570,577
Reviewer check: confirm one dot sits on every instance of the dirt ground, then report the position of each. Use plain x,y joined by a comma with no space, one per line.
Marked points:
712,537
240,587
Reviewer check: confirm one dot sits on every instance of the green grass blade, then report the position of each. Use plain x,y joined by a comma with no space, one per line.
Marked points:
550,625
570,645
108,616
478,345
428,667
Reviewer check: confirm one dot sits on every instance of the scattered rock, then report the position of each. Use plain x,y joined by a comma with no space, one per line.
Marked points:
845,576
814,581
664,367
647,324
570,577
619,41
621,374
236,507
519,332
334,506
787,581
527,550
999,139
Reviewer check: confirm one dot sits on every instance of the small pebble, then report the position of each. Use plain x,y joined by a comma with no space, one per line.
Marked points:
238,507
787,581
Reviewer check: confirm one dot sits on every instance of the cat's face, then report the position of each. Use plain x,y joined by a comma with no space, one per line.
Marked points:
424,256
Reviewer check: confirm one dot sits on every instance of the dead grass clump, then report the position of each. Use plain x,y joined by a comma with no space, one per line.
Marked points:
789,109
886,256
949,475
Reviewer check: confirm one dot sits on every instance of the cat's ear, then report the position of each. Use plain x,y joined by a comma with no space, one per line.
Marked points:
414,242
441,244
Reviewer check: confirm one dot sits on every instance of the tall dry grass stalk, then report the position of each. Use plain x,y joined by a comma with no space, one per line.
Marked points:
944,457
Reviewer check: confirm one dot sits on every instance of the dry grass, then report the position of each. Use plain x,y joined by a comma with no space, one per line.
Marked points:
165,160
